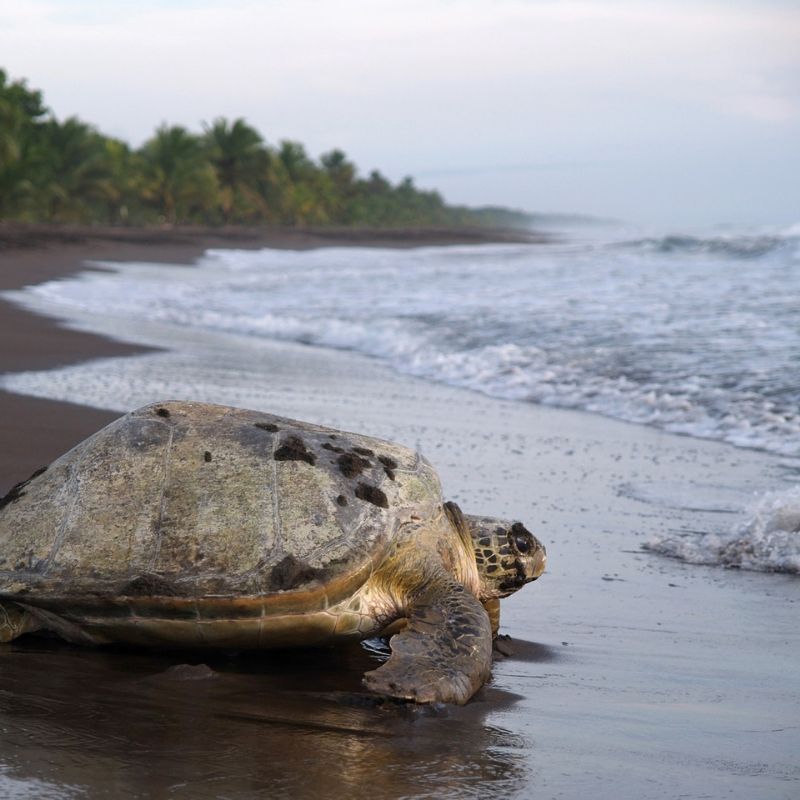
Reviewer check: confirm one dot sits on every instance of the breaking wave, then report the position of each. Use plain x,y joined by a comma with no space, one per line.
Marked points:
698,335
733,246
768,541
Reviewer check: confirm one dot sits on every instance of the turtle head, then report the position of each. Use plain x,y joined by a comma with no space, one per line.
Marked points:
508,555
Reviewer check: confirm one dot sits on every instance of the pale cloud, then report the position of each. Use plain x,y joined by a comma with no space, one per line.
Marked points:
766,108
417,86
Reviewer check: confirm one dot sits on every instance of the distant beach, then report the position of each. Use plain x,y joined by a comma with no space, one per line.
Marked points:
631,675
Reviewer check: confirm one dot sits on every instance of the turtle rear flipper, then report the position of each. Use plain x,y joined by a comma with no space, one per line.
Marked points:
14,621
444,654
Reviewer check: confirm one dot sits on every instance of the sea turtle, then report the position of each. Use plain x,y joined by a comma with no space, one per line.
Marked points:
197,525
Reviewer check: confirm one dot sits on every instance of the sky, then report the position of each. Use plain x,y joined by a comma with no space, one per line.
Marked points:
677,113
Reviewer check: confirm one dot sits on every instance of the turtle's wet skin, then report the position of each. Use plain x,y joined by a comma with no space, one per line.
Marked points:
195,525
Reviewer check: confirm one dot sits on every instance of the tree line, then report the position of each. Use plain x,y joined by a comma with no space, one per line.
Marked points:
68,172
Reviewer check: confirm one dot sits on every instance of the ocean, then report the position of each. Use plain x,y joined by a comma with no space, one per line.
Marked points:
693,333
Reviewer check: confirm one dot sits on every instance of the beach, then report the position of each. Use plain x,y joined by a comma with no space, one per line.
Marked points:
630,675
34,430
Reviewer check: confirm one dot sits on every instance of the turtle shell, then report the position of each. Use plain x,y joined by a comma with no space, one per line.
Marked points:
191,500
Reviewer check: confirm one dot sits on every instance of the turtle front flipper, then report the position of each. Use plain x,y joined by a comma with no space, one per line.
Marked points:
444,654
14,621
493,610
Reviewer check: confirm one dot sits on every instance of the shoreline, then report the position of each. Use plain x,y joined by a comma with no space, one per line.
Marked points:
35,431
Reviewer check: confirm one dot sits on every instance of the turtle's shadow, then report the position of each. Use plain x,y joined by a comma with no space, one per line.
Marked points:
513,649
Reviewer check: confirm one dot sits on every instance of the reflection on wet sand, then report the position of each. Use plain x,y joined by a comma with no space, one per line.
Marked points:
116,722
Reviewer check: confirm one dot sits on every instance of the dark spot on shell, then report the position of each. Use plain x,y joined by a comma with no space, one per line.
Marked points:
294,449
485,541
150,585
500,531
290,572
341,500
372,494
16,491
492,568
162,412
389,473
267,426
206,456
351,464
332,447
363,451
387,462
332,436
488,553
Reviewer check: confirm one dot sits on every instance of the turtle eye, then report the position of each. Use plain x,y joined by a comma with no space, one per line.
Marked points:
522,543
521,538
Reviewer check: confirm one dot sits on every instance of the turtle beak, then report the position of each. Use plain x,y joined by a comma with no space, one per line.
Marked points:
531,557
536,563
529,566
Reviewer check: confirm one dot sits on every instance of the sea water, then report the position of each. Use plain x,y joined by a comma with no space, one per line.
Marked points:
767,540
696,334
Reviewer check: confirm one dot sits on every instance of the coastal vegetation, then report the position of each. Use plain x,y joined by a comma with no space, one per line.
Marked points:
66,171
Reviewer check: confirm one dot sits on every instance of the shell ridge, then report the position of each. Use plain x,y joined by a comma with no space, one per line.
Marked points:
162,502
62,528
334,544
277,531
276,509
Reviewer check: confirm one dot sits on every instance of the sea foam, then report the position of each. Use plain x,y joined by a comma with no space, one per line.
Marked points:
694,334
767,541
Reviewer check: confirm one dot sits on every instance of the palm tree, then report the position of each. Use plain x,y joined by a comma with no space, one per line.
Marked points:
237,154
177,178
73,174
342,171
295,161
341,175
125,169
310,192
21,110
9,115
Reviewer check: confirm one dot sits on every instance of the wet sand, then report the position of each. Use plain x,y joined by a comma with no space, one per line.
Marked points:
631,675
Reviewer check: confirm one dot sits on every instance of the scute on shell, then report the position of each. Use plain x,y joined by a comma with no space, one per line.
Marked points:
190,499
